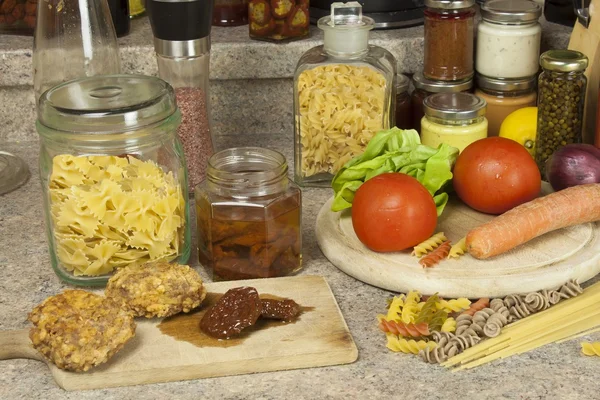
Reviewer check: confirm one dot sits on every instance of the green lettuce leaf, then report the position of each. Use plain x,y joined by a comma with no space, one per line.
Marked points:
397,150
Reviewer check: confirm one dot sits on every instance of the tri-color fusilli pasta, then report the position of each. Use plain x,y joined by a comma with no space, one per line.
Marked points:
428,245
402,345
436,255
458,249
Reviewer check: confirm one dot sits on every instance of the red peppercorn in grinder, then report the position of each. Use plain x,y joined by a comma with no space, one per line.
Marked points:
182,43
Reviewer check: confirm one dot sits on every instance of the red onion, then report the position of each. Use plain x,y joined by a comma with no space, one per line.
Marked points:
573,164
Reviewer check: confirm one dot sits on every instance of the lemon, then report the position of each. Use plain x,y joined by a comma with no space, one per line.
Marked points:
521,126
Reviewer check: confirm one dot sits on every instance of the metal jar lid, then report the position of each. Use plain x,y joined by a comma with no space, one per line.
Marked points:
511,11
449,4
564,61
505,85
106,104
454,106
402,83
432,86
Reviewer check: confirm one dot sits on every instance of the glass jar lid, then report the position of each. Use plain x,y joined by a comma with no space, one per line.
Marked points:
511,11
106,104
454,106
431,86
346,29
564,61
449,4
505,85
402,83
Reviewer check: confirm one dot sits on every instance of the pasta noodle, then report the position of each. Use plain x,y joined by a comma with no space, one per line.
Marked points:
463,322
458,249
410,308
398,344
478,305
340,107
448,345
436,255
428,245
110,211
590,349
454,305
449,325
401,329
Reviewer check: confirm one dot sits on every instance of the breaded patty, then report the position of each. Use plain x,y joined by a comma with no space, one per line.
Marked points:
157,289
77,330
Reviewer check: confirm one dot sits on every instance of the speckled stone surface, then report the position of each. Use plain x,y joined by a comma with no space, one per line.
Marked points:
235,56
26,278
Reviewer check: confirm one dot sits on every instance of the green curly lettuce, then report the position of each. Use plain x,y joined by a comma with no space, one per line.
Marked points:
397,150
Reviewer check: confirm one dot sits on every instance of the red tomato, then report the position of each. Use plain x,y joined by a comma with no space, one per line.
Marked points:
392,212
495,174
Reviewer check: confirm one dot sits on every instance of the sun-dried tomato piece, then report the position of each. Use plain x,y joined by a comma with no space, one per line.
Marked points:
19,11
262,30
299,18
282,8
259,11
30,20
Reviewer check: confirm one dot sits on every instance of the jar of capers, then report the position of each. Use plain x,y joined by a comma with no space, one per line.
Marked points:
561,97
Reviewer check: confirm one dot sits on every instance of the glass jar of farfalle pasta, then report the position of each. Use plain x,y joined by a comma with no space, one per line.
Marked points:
344,93
113,176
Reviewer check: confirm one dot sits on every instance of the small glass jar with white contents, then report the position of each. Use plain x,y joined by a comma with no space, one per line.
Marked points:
508,39
457,119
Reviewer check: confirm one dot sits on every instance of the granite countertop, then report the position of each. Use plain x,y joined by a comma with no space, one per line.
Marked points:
26,278
235,56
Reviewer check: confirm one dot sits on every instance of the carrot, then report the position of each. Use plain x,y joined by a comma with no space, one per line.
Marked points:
572,206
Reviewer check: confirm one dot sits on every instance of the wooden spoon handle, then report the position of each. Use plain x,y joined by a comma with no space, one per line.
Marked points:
16,344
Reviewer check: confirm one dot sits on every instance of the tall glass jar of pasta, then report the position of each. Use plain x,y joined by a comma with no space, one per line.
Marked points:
113,176
344,93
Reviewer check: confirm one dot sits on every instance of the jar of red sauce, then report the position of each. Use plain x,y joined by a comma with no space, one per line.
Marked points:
403,106
449,39
230,12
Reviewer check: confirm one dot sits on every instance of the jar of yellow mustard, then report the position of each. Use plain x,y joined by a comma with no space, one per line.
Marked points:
457,119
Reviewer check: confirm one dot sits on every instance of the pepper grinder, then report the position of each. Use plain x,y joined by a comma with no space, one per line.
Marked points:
182,43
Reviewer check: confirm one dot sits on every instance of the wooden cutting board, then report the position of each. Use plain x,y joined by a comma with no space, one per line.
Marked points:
318,338
543,263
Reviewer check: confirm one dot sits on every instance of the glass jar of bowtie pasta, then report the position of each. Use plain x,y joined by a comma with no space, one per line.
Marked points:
113,176
344,93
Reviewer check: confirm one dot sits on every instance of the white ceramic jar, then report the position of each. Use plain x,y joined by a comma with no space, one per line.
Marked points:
508,39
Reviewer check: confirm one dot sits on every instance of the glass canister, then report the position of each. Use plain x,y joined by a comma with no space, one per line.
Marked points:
508,39
113,176
425,87
403,102
449,39
182,44
278,20
249,216
503,96
561,98
457,119
344,93
230,13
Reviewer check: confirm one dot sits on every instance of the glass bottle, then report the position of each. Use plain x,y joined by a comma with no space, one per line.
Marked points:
73,39
249,216
113,176
425,87
508,39
561,98
457,119
503,96
182,44
344,93
137,8
278,20
230,13
119,10
449,37
403,102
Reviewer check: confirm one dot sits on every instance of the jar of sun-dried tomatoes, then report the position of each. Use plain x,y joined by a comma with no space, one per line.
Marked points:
249,215
278,20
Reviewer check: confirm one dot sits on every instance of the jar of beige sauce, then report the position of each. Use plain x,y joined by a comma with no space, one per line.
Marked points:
504,96
457,119
508,39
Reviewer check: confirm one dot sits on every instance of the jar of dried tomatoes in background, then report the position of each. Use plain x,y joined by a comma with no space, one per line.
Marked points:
449,33
249,216
230,13
277,20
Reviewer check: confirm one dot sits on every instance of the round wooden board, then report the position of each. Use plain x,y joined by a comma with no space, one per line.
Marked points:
543,263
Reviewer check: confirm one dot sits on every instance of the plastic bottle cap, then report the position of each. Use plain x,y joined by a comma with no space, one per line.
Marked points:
346,30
